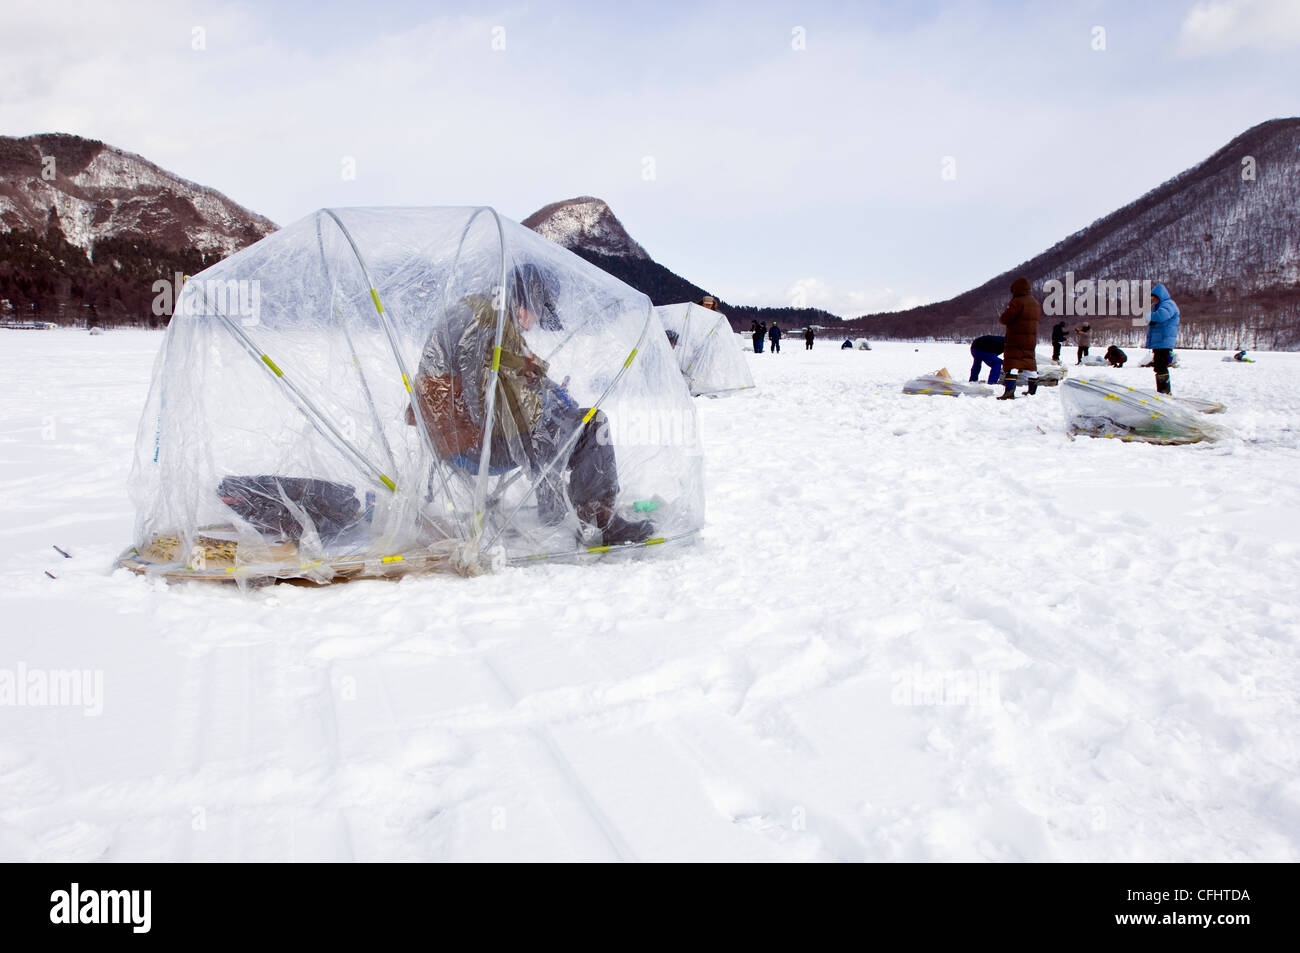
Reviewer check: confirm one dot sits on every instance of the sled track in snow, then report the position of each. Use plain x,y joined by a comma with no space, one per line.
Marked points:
599,819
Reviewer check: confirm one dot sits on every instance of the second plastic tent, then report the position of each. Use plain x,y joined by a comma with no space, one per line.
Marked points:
705,349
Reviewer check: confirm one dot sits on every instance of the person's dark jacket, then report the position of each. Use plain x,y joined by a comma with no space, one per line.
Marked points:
774,332
989,344
1058,333
1115,356
1021,318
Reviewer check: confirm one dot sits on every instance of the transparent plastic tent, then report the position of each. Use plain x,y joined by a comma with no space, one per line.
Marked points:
372,391
709,361
1097,408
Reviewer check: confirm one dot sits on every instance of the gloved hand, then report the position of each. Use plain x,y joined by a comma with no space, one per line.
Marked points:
562,397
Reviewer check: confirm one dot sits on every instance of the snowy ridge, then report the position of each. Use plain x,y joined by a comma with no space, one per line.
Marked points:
1222,235
99,192
586,223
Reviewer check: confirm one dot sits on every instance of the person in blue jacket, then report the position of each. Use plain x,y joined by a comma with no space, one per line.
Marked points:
1162,335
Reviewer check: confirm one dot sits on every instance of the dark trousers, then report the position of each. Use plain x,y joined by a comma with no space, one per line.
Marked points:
776,345
807,344
593,469
1161,357
1056,350
984,357
1083,352
758,344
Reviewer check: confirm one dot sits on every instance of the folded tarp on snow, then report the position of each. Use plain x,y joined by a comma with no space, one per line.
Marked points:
1098,408
941,384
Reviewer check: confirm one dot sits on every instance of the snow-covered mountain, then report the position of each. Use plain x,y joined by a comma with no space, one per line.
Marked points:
92,191
1224,236
585,223
589,228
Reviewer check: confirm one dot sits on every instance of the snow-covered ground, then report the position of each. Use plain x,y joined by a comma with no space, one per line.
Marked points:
914,628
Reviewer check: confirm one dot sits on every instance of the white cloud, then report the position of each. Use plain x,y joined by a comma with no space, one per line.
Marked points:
1215,27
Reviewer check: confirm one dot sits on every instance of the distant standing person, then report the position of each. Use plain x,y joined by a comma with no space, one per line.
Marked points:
1083,341
774,335
756,330
1162,335
1058,338
987,349
807,339
1021,318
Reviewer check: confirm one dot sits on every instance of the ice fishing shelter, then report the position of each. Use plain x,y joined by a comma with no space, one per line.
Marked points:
371,391
705,349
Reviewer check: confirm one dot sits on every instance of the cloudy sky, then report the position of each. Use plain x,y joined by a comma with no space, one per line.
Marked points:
853,156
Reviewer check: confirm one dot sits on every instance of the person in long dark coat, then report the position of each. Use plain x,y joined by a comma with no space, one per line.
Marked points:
1018,358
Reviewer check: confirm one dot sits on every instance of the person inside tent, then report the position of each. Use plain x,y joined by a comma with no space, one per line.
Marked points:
534,418
987,349
1021,318
1115,357
1058,339
1162,335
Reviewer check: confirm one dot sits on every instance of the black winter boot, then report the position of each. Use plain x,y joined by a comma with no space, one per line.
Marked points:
614,529
1162,385
1010,383
1033,386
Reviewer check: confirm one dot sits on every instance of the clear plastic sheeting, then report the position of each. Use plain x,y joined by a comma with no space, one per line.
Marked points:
941,384
1201,405
371,391
1050,374
1097,408
704,348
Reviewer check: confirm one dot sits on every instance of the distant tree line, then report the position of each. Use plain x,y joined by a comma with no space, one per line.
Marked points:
47,278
